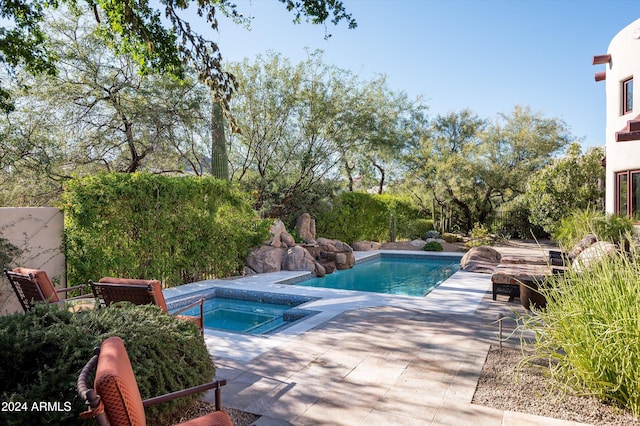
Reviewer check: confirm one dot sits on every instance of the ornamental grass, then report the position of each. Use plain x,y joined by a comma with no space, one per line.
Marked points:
590,330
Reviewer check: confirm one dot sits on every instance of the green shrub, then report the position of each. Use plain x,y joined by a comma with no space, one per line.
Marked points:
43,351
358,216
449,237
590,326
612,228
479,231
432,234
418,228
174,229
479,242
355,216
513,218
432,246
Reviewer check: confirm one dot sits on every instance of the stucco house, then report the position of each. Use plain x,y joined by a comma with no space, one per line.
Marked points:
622,65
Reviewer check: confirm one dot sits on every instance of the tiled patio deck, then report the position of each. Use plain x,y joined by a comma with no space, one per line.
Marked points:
371,359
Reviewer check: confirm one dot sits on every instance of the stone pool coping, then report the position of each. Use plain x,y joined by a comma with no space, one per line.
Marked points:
461,293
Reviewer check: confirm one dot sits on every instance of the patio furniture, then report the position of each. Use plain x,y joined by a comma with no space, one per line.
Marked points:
33,285
507,278
115,397
111,290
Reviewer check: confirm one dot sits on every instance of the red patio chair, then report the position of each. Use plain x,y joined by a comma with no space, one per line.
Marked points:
33,285
111,290
115,398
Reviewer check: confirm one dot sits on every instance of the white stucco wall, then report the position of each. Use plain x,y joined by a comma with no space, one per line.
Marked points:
625,63
38,233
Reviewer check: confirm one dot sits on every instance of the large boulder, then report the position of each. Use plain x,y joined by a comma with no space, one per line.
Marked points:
366,246
306,228
332,254
593,254
279,236
299,259
481,259
582,245
266,259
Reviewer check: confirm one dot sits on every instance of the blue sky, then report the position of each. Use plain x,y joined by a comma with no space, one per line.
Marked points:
485,55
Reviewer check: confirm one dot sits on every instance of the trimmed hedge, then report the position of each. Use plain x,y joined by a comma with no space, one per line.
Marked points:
43,351
358,216
174,229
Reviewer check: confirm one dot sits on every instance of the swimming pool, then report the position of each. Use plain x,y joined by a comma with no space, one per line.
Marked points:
249,312
402,275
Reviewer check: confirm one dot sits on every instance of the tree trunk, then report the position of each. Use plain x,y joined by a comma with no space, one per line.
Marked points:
382,176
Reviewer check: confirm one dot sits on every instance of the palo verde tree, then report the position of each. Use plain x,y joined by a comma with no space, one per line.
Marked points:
99,114
306,125
471,165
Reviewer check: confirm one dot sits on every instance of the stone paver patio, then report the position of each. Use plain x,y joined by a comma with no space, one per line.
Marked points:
384,360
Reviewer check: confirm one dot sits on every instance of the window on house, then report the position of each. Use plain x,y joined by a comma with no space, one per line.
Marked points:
627,96
628,194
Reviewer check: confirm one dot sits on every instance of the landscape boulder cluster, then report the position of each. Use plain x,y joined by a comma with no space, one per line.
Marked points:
281,251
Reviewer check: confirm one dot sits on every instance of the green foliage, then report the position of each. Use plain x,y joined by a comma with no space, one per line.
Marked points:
418,228
479,231
304,124
473,165
43,351
612,228
433,234
450,238
137,29
175,229
479,236
8,252
568,184
357,216
432,246
512,218
590,326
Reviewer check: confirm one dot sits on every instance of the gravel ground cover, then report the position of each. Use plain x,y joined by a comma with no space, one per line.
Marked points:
506,385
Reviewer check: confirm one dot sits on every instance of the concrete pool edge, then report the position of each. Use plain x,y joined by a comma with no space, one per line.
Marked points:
461,293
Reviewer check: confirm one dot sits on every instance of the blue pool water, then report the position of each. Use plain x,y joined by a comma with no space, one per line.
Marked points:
242,316
391,275
250,312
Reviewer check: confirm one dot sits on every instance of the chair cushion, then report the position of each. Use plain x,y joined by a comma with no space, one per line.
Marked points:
48,290
116,385
217,418
155,285
196,320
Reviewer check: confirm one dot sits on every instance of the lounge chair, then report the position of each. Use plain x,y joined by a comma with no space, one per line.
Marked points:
514,272
507,278
115,397
111,290
33,285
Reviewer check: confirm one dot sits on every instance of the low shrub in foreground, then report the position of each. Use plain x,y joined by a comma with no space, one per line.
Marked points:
590,326
43,351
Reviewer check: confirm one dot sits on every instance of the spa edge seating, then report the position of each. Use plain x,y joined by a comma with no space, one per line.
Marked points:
115,397
111,290
33,285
